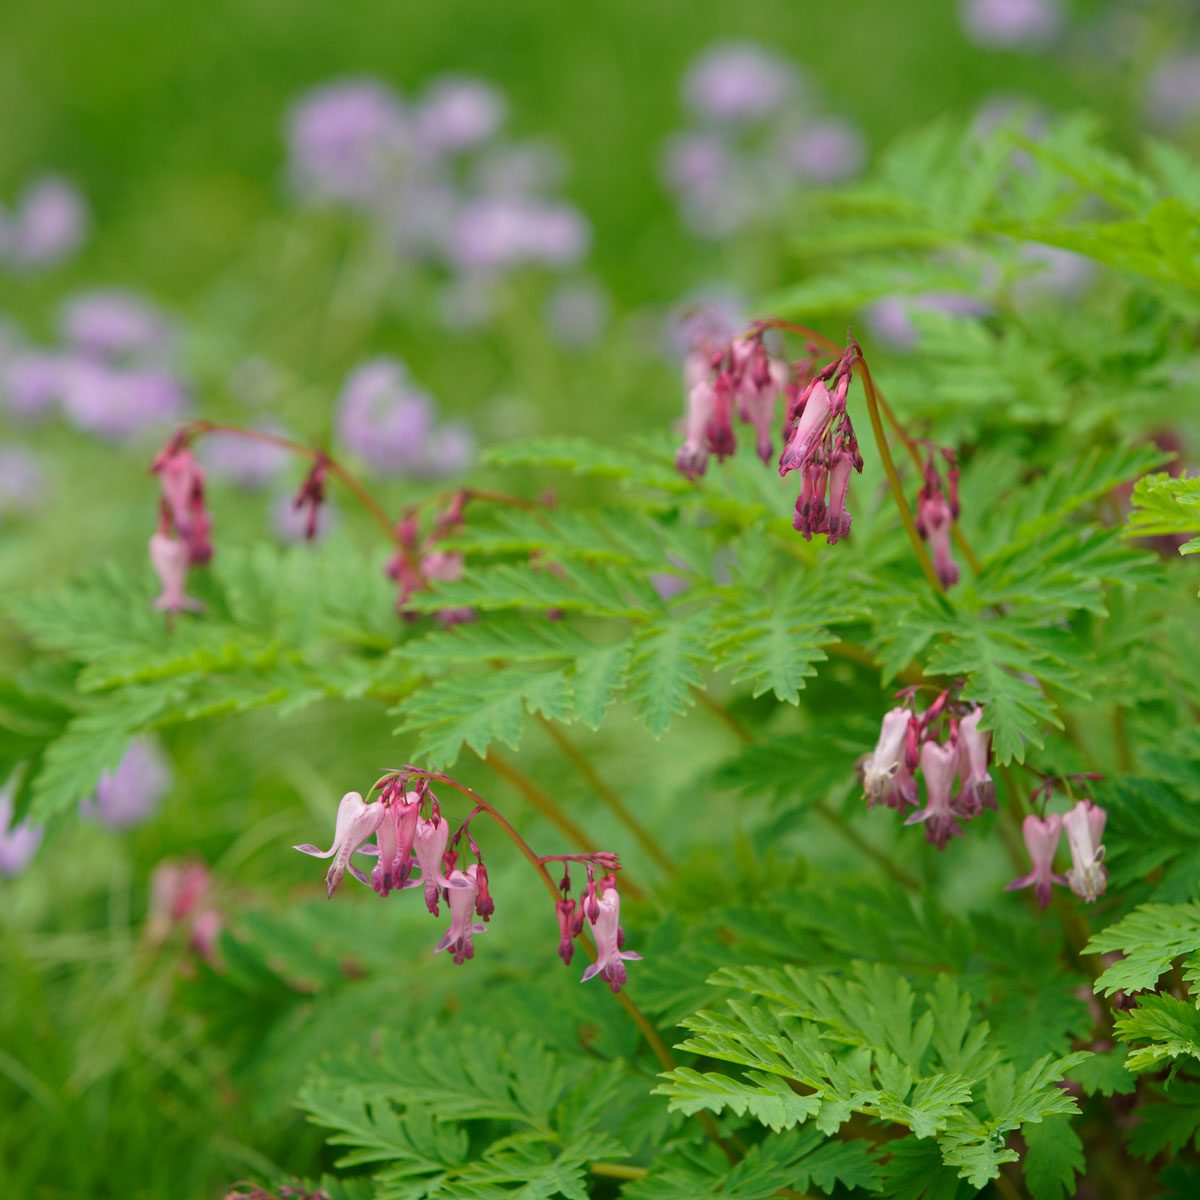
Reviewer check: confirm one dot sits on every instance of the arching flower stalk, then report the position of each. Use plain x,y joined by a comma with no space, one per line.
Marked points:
414,846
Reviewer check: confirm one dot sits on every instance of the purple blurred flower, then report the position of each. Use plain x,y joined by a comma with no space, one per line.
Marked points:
449,450
1173,89
290,524
1060,274
114,324
128,794
48,223
1010,23
34,381
824,151
243,461
527,168
714,186
456,113
577,312
738,81
22,483
345,139
497,232
119,402
890,319
18,843
705,320
384,417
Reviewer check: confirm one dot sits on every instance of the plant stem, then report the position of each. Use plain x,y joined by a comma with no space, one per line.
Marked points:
1125,760
607,794
617,1170
820,807
347,480
960,538
893,477
889,414
545,805
648,1032
831,816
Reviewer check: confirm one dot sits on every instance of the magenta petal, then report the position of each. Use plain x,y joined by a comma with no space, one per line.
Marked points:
591,972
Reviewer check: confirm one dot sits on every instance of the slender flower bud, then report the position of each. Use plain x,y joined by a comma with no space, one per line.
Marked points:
484,904
567,928
1041,840
935,521
606,930
1085,828
356,821
182,480
938,766
311,495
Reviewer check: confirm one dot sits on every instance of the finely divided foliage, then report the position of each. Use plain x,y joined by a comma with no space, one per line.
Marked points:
973,639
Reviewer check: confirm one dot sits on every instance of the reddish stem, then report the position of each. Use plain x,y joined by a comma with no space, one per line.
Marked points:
352,484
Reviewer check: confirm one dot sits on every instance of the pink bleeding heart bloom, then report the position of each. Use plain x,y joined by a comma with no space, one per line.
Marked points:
429,844
459,938
886,777
181,897
935,523
394,845
356,821
606,931
1041,840
815,410
692,457
1085,828
170,560
977,791
938,765
568,927
181,478
759,380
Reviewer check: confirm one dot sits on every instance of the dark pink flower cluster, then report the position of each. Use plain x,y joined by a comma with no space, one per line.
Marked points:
821,444
599,905
420,561
1084,827
414,847
937,510
183,538
943,743
741,377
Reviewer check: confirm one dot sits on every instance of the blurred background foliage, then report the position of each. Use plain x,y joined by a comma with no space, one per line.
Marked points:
130,1064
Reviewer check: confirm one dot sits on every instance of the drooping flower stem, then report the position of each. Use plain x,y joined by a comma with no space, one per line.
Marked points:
889,415
608,795
345,478
820,807
546,806
893,477
647,1030
914,452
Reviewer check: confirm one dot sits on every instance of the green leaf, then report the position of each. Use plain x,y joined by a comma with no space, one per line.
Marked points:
664,666
1168,1026
1053,1159
1150,938
764,1097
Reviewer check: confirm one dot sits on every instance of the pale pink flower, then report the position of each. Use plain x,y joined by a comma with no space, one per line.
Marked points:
1041,840
394,845
606,931
356,821
1085,828
976,788
459,938
170,560
938,766
429,844
886,778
